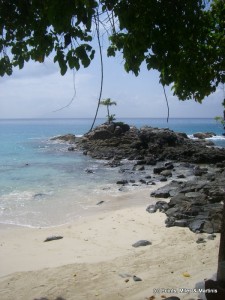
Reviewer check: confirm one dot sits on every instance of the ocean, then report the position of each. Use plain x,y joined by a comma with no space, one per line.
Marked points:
43,184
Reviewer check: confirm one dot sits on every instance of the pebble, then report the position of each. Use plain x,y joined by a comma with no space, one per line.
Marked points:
135,278
141,243
53,238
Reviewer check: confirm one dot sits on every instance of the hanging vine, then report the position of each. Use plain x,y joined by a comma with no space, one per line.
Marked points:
96,20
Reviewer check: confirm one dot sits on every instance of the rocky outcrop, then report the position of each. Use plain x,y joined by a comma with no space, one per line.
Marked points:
117,141
70,138
196,204
204,135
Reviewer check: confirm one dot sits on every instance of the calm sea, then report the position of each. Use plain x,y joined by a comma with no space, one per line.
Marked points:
43,184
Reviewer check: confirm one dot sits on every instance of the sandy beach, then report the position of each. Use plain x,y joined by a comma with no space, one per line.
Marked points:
95,258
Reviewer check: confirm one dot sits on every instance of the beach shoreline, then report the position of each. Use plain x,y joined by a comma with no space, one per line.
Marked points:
95,258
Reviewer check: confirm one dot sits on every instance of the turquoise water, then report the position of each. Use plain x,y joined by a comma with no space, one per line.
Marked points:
43,184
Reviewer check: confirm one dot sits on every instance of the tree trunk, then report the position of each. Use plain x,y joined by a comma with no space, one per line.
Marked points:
221,258
108,113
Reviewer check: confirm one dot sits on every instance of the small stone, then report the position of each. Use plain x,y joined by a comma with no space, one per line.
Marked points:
71,148
122,182
211,237
141,243
186,274
163,179
53,238
89,171
135,278
200,240
166,173
172,298
100,202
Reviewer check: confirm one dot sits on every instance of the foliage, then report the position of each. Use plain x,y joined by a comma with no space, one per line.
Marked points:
111,118
220,120
108,102
183,40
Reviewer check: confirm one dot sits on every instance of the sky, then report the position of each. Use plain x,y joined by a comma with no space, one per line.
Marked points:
39,91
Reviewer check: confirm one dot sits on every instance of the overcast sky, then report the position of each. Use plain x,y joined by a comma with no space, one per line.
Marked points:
39,90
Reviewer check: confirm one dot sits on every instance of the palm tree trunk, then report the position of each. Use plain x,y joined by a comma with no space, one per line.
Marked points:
108,113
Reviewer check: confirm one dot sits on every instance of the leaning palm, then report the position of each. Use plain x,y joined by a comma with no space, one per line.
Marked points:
107,102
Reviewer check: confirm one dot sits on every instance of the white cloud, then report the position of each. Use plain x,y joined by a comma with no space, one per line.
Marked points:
38,90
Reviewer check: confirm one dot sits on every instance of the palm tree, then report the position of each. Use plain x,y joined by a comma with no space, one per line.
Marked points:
107,102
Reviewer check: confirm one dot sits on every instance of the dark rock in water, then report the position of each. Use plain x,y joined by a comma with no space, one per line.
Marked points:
158,170
141,168
141,243
166,173
163,179
53,238
200,171
89,171
66,138
135,278
122,182
39,195
71,148
143,181
181,176
204,135
148,144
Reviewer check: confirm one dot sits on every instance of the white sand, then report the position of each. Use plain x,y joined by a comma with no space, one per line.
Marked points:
95,258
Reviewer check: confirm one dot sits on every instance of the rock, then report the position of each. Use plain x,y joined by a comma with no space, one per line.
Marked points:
151,209
211,237
163,179
200,172
166,173
180,176
53,238
168,190
200,240
118,130
141,168
89,171
180,223
100,202
122,182
159,170
71,148
196,225
204,135
141,243
162,206
66,138
148,143
135,278
143,181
